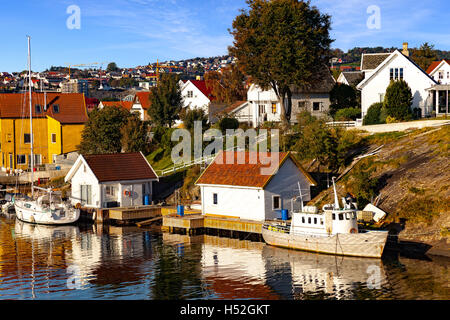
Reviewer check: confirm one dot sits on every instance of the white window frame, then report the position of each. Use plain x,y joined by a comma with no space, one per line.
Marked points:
279,202
215,199
190,94
110,190
20,156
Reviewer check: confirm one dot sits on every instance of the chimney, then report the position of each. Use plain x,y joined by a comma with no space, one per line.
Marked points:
405,49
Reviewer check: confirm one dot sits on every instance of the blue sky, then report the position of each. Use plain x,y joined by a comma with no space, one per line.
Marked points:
136,32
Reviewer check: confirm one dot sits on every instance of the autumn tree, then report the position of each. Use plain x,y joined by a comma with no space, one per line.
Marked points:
166,101
228,85
280,43
134,135
424,56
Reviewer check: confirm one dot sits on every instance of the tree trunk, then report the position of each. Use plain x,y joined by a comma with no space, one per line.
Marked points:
286,106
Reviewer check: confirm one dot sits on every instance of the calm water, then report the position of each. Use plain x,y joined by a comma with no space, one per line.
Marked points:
91,262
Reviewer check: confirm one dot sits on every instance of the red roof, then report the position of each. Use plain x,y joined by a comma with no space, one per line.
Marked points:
124,104
246,174
144,99
435,64
201,85
120,167
65,107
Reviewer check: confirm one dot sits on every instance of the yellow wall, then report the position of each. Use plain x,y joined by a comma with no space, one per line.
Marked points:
54,127
71,137
12,139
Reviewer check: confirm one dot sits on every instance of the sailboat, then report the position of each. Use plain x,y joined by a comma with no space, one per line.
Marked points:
49,208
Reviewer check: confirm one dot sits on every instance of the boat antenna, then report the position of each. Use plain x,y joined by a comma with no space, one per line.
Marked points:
336,200
31,116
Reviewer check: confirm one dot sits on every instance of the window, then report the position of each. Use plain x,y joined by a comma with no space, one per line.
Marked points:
38,108
110,191
262,108
347,216
309,220
27,138
215,198
274,108
316,106
37,159
334,216
301,105
315,220
341,216
396,73
321,221
53,137
276,203
303,219
56,108
441,75
190,94
21,159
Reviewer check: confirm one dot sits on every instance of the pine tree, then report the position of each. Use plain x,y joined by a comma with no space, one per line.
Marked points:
398,100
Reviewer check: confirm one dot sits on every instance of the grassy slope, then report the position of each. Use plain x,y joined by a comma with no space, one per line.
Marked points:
414,180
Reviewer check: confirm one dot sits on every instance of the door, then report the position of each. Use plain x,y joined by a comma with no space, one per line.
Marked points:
86,194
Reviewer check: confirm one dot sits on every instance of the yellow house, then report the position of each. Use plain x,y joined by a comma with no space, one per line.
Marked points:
58,120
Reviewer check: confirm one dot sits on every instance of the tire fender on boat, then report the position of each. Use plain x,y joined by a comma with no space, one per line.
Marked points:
353,230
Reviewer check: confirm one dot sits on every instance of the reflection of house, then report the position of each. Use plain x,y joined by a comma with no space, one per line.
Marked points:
381,69
253,190
112,180
58,120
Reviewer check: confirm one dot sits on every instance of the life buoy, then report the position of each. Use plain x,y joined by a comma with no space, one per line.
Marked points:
353,230
127,193
78,206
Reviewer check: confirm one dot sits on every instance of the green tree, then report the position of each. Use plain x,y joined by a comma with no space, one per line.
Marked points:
112,67
134,135
373,114
190,116
342,96
228,123
425,55
166,101
398,100
281,43
102,133
362,185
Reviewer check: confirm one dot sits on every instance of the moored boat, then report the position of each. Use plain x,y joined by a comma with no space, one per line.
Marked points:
334,230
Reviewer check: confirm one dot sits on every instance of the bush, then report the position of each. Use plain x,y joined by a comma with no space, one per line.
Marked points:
373,114
398,100
228,123
348,114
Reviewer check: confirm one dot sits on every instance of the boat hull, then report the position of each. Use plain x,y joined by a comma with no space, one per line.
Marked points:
368,244
45,217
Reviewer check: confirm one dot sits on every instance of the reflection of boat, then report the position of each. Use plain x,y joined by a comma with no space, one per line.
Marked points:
306,273
49,208
333,231
42,232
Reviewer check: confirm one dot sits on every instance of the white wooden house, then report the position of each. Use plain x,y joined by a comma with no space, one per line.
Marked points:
196,95
112,180
381,69
245,191
440,71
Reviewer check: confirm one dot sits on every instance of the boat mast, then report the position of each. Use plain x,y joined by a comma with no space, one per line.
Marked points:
31,116
336,200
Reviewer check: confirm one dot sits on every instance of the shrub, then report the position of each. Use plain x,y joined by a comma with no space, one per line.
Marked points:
373,114
228,123
398,100
348,114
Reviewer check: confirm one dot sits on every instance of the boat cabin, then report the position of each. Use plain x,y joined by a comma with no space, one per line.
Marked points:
328,222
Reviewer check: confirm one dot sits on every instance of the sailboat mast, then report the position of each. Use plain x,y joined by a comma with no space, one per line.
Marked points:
31,116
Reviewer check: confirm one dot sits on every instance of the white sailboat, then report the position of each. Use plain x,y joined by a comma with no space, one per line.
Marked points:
49,208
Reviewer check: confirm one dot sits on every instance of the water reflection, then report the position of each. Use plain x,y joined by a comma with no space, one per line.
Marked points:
100,262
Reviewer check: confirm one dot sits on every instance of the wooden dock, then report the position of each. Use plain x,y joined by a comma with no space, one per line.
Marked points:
193,221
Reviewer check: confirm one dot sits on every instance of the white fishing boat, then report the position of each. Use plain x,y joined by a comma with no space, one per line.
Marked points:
333,230
49,208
